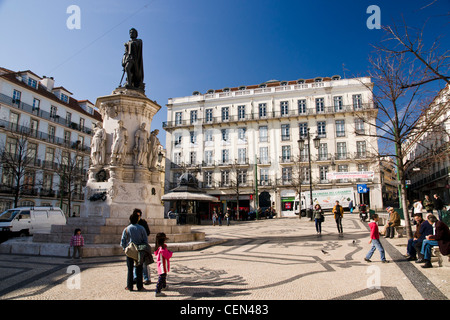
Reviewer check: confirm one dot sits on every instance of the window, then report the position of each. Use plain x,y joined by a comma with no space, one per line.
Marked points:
36,104
225,134
359,126
193,137
193,116
177,139
323,151
341,150
321,129
225,177
193,157
242,177
286,154
209,115
303,129
67,137
264,177
16,97
7,176
225,156
53,111
285,132
208,180
49,155
357,101
302,106
28,180
11,146
14,121
242,134
286,175
32,150
320,107
284,107
361,149
178,118
340,128
323,174
225,113
177,158
263,134
68,118
338,104
81,123
342,168
264,155
47,182
209,157
64,98
262,108
51,133
241,112
32,83
209,135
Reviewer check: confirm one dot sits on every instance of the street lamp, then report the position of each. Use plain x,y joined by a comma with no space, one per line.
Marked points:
301,146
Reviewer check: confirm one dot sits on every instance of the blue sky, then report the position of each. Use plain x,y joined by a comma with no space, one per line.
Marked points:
196,45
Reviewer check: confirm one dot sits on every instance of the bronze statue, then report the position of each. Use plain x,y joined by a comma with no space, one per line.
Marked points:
132,62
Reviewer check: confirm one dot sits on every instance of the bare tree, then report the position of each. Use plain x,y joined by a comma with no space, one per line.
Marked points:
17,162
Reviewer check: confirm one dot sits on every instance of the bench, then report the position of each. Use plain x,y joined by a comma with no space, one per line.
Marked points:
400,230
439,257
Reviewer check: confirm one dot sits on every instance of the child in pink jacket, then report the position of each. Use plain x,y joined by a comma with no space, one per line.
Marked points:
163,256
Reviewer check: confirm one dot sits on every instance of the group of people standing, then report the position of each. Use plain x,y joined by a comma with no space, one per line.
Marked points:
319,217
135,235
429,205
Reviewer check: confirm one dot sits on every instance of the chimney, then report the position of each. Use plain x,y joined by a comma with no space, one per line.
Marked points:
48,83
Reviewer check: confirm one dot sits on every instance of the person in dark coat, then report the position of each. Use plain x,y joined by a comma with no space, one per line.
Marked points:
438,205
423,229
440,237
145,269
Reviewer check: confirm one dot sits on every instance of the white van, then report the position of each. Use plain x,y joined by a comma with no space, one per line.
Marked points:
25,221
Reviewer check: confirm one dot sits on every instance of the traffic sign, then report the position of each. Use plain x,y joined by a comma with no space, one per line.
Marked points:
362,188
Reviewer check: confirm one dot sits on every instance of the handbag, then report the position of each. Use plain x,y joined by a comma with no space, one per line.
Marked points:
322,218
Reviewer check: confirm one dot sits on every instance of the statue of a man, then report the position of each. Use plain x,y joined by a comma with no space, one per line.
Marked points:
120,140
98,145
132,62
141,145
153,151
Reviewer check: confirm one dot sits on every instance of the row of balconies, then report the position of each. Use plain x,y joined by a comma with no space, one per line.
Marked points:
282,160
272,183
40,192
328,110
43,136
43,114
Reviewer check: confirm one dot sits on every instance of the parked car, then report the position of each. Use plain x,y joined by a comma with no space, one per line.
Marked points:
24,221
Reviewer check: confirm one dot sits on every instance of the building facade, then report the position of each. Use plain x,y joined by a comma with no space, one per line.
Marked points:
427,151
49,133
242,142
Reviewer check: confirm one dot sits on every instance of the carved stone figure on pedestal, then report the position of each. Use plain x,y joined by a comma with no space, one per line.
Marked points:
132,62
120,140
140,145
153,151
98,145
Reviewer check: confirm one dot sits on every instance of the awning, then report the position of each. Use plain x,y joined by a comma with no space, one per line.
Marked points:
173,196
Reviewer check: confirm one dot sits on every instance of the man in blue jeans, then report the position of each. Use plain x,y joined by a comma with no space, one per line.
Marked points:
440,237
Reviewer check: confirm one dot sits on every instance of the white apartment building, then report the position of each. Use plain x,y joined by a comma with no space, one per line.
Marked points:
428,151
244,141
57,128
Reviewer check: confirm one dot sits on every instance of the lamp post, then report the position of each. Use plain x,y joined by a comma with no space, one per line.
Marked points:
301,146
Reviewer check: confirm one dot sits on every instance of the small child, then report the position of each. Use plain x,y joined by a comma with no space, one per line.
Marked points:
375,240
77,242
163,256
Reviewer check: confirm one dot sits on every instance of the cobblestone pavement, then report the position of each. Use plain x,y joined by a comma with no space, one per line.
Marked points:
277,259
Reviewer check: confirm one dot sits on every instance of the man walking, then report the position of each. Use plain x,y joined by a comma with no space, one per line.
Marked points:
338,215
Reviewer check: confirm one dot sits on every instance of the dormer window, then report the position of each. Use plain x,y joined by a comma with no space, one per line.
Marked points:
210,91
242,88
263,85
32,83
64,98
336,78
195,93
300,81
318,80
226,90
284,83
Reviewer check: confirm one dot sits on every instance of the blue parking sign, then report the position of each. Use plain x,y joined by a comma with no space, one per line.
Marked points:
362,188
